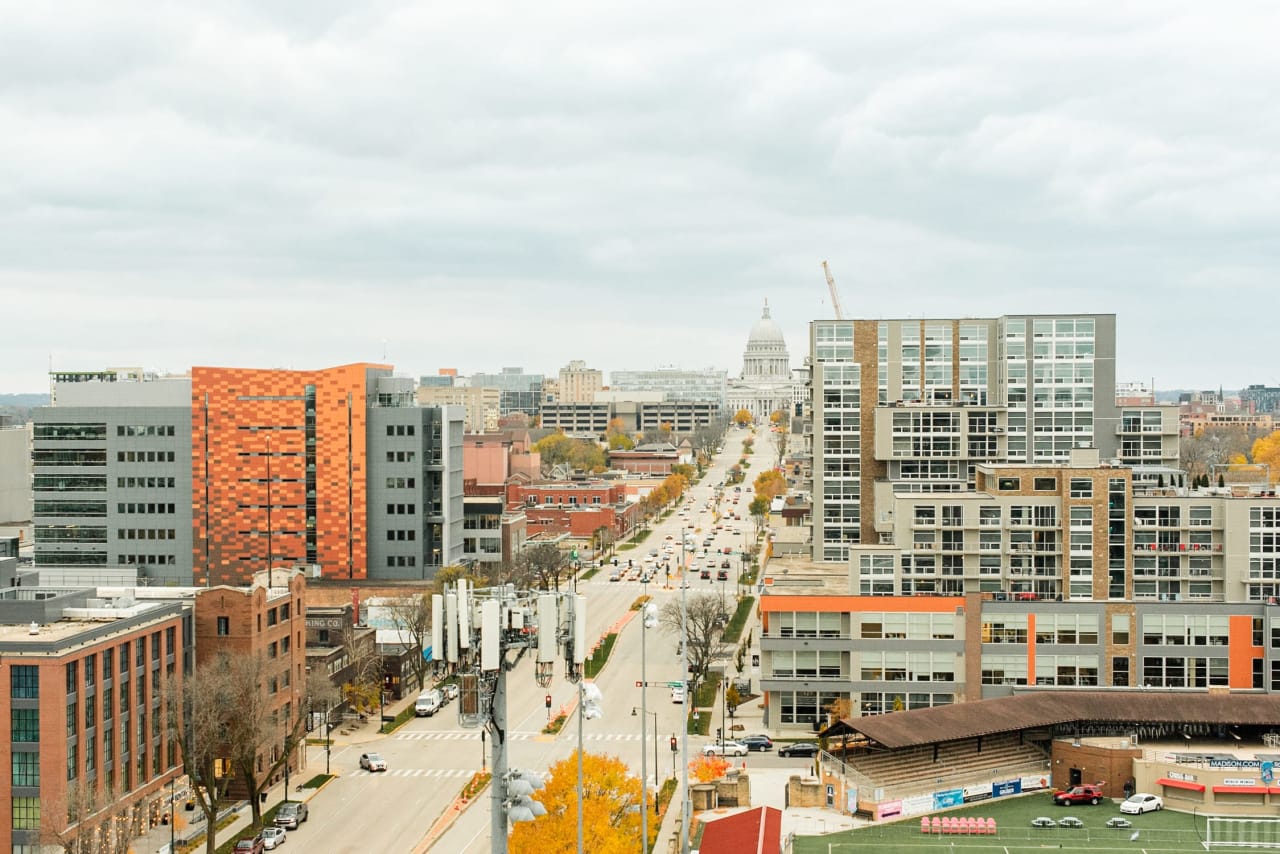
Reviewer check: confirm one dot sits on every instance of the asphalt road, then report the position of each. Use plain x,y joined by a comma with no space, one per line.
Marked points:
430,759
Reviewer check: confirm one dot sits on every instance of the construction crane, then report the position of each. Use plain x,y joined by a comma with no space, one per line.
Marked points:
835,295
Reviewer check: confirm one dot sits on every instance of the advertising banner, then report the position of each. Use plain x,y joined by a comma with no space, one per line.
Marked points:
949,798
888,809
1268,772
851,800
977,793
917,804
1008,787
1031,784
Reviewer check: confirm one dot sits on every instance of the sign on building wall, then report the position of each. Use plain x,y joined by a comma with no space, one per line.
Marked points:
949,798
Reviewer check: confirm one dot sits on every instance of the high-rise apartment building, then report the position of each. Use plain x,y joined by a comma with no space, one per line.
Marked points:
920,403
482,406
209,478
578,383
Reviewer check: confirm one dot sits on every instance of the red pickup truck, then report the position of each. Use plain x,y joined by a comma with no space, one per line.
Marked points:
1086,794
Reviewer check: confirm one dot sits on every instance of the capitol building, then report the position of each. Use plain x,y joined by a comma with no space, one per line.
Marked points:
767,383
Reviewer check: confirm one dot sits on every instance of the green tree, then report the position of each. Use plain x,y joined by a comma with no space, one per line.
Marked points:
759,509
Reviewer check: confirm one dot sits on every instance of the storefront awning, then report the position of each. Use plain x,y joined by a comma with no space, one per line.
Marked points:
1181,784
1239,790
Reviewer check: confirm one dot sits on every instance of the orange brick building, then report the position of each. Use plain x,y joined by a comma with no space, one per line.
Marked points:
279,470
88,739
267,619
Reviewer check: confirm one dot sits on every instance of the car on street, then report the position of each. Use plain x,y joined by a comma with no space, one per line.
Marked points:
291,814
614,576
1086,794
249,846
1043,821
705,573
1119,822
729,748
677,694
724,564
373,762
722,575
273,837
757,742
1140,803
800,748
451,691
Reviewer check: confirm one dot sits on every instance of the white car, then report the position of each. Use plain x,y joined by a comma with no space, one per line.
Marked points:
729,748
1140,803
677,694
273,837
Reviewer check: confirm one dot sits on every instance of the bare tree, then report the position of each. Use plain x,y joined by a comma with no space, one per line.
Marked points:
199,721
413,618
95,822
706,618
255,728
322,695
363,686
546,562
1214,446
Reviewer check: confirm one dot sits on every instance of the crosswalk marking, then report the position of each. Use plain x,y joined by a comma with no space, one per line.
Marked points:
474,735
428,772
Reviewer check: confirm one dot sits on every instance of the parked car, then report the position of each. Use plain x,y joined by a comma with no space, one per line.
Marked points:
250,846
1140,803
729,748
1043,821
1086,794
273,837
800,748
373,762
757,742
428,703
451,691
291,814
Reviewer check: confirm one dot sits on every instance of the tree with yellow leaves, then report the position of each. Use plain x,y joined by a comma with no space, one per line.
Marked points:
770,484
1266,449
742,417
610,804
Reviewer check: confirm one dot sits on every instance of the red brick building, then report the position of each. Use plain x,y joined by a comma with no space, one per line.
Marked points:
653,459
85,687
267,618
262,493
574,508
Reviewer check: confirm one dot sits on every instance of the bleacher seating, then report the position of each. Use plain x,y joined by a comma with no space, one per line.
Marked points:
954,759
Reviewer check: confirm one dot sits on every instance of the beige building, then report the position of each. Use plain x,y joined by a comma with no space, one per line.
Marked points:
578,383
481,404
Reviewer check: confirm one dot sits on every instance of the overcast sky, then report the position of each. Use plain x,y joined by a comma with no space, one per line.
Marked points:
473,185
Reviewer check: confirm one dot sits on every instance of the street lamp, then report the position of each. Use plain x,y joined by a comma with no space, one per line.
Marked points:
655,760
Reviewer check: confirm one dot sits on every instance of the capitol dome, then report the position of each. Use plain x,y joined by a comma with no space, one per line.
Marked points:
766,333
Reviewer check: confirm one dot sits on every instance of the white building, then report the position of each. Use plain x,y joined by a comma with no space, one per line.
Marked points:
767,383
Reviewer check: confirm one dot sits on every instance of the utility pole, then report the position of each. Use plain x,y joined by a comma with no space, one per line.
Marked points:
481,634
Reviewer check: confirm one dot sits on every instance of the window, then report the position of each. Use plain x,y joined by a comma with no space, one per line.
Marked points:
1044,484
26,813
224,626
1081,487
24,682
1120,629
26,769
1008,484
1120,671
24,725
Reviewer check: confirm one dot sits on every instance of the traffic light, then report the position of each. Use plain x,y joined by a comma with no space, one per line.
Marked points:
674,746
548,701
717,733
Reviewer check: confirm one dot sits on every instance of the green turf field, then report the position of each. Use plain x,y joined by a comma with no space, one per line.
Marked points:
1164,831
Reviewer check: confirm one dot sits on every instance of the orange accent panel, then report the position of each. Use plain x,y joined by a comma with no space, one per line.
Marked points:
1031,648
235,412
1241,651
857,604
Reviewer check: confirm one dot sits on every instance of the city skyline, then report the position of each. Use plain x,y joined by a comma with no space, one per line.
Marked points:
311,185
